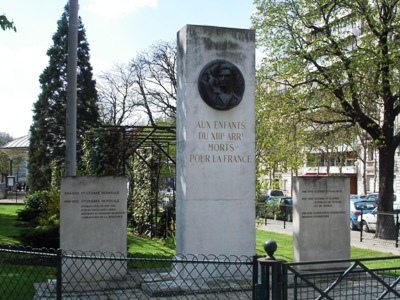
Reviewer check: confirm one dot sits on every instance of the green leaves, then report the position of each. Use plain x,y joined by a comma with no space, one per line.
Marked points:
5,24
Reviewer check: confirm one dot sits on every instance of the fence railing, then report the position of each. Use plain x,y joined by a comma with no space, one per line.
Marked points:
44,274
357,279
41,274
335,279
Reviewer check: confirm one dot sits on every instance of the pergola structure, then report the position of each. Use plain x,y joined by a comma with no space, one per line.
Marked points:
145,137
138,141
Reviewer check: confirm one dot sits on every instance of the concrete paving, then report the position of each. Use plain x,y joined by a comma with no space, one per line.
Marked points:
14,198
368,242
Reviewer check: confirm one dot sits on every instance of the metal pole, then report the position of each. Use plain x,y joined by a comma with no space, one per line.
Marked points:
70,155
59,255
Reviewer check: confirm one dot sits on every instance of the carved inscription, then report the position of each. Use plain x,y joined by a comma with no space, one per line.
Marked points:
222,142
95,204
321,204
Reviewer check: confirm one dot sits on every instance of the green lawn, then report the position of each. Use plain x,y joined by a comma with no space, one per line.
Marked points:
8,222
8,231
18,280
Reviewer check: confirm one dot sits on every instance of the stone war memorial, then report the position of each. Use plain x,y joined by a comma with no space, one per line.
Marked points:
321,219
93,217
215,182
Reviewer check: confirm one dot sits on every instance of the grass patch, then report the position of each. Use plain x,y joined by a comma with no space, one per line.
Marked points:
284,242
154,246
8,222
9,231
285,250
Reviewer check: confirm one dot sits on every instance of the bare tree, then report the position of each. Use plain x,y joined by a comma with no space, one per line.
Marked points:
118,100
156,81
144,88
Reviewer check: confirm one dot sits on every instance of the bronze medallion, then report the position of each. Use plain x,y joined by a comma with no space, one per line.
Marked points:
221,85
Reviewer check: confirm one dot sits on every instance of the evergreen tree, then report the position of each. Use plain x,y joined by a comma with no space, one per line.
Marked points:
48,130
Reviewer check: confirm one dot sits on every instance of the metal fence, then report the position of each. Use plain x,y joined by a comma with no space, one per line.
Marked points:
44,274
362,279
336,279
41,274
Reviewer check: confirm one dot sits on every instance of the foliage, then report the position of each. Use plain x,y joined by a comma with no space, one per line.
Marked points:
30,213
4,159
104,151
4,139
166,221
143,90
4,164
5,24
279,136
41,208
140,205
47,141
42,211
338,62
42,236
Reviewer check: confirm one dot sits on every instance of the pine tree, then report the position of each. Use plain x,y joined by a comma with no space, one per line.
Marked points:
48,130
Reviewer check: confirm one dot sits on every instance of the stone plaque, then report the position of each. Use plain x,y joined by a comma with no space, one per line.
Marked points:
93,219
321,218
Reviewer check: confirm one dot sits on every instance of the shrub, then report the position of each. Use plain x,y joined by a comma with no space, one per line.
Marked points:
42,210
42,236
32,209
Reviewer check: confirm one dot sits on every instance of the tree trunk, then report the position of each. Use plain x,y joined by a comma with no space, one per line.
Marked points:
385,227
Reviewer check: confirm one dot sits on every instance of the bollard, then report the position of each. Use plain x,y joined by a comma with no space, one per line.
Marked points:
270,268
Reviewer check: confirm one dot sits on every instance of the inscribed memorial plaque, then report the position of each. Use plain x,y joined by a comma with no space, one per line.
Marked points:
321,218
93,217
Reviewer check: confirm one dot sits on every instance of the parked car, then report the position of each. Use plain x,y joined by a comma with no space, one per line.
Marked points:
375,197
266,195
356,206
268,202
354,197
285,208
368,221
275,207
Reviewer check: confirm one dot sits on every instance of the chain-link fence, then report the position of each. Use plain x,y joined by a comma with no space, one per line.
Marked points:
45,274
41,274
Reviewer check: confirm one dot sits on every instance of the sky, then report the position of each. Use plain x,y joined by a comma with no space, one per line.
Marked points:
116,30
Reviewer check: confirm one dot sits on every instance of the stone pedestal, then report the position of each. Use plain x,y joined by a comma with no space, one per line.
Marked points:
215,182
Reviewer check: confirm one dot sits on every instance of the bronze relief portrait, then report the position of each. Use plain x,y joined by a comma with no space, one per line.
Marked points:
221,85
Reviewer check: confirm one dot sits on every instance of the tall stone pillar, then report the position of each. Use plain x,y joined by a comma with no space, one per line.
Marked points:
215,141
